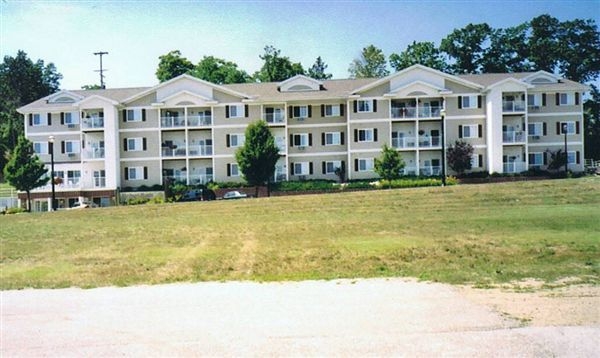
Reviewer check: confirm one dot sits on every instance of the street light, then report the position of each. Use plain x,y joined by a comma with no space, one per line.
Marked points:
51,150
565,129
443,115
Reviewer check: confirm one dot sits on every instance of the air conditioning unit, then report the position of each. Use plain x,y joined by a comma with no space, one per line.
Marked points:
535,137
301,148
71,155
300,119
301,177
71,126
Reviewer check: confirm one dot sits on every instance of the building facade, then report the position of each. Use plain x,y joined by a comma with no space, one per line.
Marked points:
188,129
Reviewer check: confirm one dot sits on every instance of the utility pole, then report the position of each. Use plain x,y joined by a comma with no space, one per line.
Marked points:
101,70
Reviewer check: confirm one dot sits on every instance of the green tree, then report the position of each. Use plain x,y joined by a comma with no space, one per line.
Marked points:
543,42
424,53
558,159
591,117
466,47
91,87
508,51
276,68
372,63
22,81
219,71
579,50
459,156
317,70
389,165
258,156
24,170
172,65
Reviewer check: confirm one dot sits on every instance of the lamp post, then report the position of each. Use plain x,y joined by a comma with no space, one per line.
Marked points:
443,115
51,150
565,129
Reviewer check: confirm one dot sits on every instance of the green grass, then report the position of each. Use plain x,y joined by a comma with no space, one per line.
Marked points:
479,234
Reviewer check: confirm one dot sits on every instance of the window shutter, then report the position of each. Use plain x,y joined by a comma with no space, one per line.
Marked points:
479,101
228,140
228,169
290,112
557,127
577,157
324,167
310,139
62,146
49,115
531,157
226,111
30,119
246,111
558,99
577,127
544,128
460,131
62,118
143,114
459,102
126,173
543,100
374,105
343,164
480,127
309,111
101,114
83,144
145,173
480,159
323,113
342,138
356,135
291,168
342,110
375,134
291,140
144,144
323,140
576,98
125,144
355,106
124,115
355,165
545,158
310,168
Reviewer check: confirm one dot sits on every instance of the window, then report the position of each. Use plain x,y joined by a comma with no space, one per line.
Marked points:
71,146
366,135
73,177
301,140
70,118
233,170
469,131
533,100
99,178
302,168
330,167
365,105
135,173
236,111
535,129
134,115
333,138
37,119
40,147
365,164
468,102
571,157
134,144
536,159
236,140
332,110
564,99
476,161
572,127
300,112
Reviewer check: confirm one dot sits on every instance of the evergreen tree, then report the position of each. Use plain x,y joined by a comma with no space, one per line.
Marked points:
276,68
24,170
372,63
389,165
172,65
317,71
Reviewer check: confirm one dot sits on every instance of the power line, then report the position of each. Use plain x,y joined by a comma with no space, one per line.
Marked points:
101,70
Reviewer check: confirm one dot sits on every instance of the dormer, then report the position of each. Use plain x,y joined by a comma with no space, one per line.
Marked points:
64,97
417,89
300,83
541,78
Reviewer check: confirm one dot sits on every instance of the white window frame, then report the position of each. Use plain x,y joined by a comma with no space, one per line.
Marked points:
475,161
334,164
236,111
570,127
75,146
72,178
368,134
71,118
534,100
538,129
473,131
234,170
42,148
332,110
133,173
302,111
571,157
336,138
303,139
304,168
471,103
137,144
366,164
538,156
134,115
37,120
240,139
364,106
566,99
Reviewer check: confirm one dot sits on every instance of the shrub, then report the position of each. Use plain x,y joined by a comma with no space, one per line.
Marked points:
306,185
137,200
15,211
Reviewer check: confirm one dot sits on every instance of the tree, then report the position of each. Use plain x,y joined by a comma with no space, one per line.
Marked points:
258,156
275,67
558,159
591,117
424,53
508,51
389,165
579,50
91,87
172,65
372,63
22,81
24,170
544,42
317,70
219,71
466,47
459,156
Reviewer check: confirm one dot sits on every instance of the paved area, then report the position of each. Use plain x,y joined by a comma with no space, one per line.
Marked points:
374,317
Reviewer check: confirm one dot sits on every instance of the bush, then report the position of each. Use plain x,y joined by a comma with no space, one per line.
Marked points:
137,200
479,174
306,185
15,211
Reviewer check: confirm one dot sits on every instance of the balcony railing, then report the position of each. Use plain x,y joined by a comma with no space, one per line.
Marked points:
404,112
181,178
429,112
513,137
430,170
92,123
429,142
172,122
175,151
514,167
200,150
100,182
403,142
94,153
513,106
274,118
199,121
200,179
409,171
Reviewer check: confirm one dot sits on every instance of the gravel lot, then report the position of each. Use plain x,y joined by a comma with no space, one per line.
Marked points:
371,317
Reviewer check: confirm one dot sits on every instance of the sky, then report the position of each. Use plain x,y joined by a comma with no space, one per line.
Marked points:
136,33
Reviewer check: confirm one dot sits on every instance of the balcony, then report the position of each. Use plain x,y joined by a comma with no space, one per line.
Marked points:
514,167
513,137
403,142
198,121
404,112
409,171
200,150
513,106
172,122
173,151
281,144
93,153
429,142
274,118
177,178
200,179
99,182
430,171
429,111
92,123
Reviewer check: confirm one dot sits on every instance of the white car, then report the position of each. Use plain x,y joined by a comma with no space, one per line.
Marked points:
83,205
234,195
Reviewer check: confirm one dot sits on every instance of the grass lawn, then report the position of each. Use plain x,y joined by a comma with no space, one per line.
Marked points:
479,234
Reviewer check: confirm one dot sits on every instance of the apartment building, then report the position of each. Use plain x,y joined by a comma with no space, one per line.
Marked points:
188,129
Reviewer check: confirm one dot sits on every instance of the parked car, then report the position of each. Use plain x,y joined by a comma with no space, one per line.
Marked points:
84,205
198,194
234,195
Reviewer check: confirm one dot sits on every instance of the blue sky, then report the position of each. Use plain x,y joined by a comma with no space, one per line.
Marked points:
135,33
